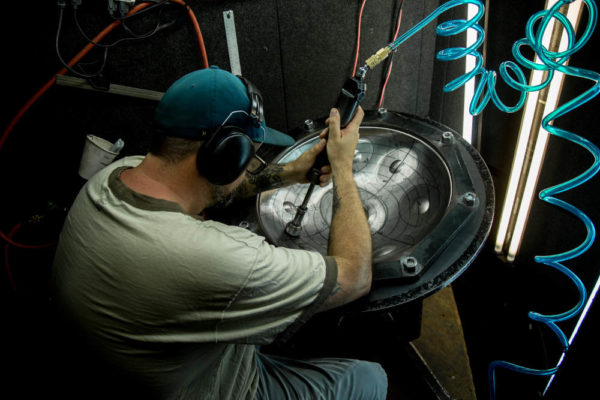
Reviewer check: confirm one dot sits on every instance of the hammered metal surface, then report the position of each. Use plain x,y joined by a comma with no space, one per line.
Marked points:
404,184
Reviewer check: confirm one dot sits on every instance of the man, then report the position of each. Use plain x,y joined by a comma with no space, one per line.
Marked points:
177,304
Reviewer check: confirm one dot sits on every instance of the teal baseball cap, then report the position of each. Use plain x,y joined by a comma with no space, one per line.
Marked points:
199,103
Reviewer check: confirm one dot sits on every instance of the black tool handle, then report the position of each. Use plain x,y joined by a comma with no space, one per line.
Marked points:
347,103
322,160
350,97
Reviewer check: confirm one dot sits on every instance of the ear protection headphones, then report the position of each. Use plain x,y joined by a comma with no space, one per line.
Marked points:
225,155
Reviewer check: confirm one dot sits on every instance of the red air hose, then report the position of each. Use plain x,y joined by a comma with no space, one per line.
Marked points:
6,260
360,14
389,71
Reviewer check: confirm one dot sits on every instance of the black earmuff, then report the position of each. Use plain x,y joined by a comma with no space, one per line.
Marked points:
225,156
228,151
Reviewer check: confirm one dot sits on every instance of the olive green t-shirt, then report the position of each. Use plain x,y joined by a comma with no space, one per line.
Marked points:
177,302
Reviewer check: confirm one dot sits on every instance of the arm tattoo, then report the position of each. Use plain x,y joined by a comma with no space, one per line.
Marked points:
269,178
335,206
336,289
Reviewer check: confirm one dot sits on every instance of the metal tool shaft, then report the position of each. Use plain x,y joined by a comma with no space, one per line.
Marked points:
294,227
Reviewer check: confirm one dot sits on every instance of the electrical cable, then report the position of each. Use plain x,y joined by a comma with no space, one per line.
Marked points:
11,279
485,91
158,25
146,35
74,61
196,26
9,242
358,38
61,8
134,36
129,15
8,239
360,14
391,61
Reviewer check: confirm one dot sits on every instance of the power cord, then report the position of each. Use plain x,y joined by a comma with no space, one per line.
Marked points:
390,60
61,8
132,35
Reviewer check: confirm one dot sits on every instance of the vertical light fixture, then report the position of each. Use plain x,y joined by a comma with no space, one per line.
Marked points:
532,141
582,316
467,129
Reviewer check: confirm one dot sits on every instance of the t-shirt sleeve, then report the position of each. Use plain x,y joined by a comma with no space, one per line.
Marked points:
279,289
327,288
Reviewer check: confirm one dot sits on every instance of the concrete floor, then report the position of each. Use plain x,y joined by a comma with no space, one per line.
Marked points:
443,347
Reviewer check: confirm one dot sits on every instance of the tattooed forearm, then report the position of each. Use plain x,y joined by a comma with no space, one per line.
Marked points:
335,206
269,178
336,289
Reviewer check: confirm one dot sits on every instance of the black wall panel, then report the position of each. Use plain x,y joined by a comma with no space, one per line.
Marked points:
297,52
318,42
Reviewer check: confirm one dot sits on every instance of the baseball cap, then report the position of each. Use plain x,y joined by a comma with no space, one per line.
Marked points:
198,103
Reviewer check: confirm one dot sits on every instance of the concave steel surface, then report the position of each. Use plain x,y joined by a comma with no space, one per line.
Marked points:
428,195
403,183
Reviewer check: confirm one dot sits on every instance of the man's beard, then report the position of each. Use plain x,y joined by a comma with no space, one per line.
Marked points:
222,198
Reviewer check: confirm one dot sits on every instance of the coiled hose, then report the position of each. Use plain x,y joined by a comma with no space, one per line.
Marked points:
486,91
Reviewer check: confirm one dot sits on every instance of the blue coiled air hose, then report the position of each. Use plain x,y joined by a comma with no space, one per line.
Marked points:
485,91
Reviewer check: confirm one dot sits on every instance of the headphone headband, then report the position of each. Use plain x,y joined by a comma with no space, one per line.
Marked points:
256,101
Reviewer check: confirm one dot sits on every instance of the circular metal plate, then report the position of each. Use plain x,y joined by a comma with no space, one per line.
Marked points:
427,194
404,185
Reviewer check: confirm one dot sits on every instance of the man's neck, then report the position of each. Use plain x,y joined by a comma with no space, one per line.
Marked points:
178,182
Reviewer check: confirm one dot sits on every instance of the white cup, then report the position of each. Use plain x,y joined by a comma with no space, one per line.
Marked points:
96,155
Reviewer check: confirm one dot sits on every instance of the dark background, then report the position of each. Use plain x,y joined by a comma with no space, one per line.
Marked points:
298,53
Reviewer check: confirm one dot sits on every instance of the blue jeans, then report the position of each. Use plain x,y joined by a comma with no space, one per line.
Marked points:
282,378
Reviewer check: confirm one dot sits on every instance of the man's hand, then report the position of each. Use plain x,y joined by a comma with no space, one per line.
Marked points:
342,143
279,175
302,165
340,151
340,148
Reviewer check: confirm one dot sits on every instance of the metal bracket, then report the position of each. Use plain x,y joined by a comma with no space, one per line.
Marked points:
232,45
406,269
79,83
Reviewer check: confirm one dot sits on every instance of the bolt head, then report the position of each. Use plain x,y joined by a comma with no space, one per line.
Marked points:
447,137
410,264
469,199
309,125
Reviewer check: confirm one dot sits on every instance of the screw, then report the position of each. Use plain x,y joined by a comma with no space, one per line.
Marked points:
382,111
447,137
410,264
